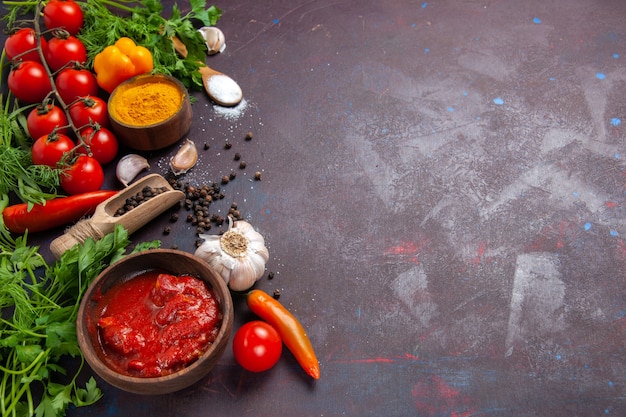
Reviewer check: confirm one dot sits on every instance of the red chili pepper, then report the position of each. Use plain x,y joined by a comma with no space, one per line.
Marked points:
290,330
56,212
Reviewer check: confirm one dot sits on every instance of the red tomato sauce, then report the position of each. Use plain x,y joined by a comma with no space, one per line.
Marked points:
156,324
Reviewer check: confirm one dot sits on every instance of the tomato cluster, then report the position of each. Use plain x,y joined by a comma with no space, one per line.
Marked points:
70,124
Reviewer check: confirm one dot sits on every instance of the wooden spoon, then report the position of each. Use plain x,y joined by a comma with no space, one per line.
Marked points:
104,220
220,87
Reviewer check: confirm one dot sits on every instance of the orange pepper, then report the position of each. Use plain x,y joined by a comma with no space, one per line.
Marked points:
291,331
121,61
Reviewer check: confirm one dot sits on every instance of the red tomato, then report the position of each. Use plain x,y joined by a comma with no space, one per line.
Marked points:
61,14
49,149
63,50
22,41
84,175
102,144
72,83
44,119
257,346
29,82
89,110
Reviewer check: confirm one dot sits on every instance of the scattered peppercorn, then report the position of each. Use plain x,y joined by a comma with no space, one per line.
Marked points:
174,217
249,136
270,275
225,179
228,145
257,176
232,175
276,293
167,230
237,156
206,146
242,164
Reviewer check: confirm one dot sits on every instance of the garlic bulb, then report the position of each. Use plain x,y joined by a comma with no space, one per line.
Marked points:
214,39
239,255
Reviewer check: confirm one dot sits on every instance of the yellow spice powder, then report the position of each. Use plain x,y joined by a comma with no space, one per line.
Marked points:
147,103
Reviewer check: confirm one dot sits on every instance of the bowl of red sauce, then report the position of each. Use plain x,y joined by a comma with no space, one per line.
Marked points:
155,322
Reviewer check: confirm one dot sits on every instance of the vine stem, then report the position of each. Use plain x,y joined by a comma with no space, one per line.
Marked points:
20,3
117,5
38,33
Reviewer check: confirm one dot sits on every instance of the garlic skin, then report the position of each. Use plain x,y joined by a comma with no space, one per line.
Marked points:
185,158
214,39
129,166
239,255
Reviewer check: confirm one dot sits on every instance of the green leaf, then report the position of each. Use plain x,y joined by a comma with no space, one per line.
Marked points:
55,400
27,354
140,247
61,339
208,17
8,341
88,395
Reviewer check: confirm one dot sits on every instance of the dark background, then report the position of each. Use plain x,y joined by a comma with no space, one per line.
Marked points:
442,197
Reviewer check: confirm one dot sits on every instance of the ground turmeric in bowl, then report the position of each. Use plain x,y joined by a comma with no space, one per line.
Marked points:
146,103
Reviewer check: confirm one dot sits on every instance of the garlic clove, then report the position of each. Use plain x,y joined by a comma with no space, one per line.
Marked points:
129,166
245,275
185,158
214,39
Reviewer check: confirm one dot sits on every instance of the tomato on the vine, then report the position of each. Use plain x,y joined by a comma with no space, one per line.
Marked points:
29,82
62,50
102,143
257,346
44,119
72,83
89,110
50,149
83,175
22,44
63,14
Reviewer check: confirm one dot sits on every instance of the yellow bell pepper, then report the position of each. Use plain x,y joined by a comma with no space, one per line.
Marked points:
121,61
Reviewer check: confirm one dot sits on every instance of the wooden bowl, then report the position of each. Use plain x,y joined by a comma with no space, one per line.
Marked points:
173,262
156,134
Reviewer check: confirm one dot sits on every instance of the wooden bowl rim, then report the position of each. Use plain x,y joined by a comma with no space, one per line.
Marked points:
102,369
144,79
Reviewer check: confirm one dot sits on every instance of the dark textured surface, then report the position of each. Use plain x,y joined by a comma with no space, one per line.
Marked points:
442,196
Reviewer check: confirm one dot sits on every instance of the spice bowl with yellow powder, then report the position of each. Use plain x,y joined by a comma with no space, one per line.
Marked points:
150,112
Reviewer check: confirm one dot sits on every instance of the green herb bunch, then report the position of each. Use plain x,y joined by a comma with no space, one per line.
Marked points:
42,328
31,183
145,24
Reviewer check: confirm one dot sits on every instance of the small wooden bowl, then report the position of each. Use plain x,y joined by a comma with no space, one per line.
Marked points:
173,262
158,135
